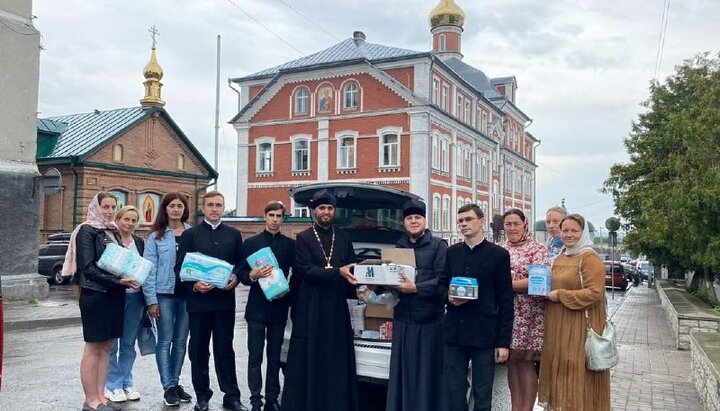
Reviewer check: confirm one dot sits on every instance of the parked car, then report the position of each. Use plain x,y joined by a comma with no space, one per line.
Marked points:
372,215
614,270
61,237
645,268
51,257
632,274
1,333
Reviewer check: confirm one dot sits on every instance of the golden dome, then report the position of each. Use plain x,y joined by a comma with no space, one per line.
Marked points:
447,13
153,69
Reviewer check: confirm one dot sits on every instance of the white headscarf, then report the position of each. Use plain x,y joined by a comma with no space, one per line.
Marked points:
585,243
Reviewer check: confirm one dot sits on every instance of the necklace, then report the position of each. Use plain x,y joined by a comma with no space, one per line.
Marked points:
328,257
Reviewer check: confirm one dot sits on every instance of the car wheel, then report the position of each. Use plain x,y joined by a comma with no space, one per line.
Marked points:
624,285
57,277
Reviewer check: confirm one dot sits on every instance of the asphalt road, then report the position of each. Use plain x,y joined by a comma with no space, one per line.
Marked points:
41,372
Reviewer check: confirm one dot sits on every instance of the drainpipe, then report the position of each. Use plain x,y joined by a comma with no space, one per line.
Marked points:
534,199
73,164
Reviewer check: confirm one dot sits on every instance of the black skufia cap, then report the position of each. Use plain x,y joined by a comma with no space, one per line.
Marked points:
323,197
413,207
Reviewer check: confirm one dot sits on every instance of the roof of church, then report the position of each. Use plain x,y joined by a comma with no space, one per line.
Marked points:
475,77
81,134
346,51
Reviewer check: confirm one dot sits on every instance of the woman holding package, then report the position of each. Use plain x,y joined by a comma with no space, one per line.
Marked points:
528,323
119,386
565,383
165,296
102,296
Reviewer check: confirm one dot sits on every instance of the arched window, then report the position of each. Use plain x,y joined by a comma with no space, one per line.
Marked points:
181,162
346,152
442,42
302,95
351,95
435,152
301,154
264,157
117,153
446,213
436,212
445,154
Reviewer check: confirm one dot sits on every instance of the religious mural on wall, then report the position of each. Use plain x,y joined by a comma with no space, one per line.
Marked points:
325,99
148,204
121,198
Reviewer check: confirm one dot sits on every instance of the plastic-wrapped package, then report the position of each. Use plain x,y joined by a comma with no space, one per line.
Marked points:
124,263
200,267
275,285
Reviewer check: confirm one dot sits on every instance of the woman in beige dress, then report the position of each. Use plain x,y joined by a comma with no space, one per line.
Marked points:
565,383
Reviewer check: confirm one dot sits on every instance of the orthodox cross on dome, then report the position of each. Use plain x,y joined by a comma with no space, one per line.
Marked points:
154,33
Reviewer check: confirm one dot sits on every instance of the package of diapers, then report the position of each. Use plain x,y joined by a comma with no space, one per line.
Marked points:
200,267
275,285
123,263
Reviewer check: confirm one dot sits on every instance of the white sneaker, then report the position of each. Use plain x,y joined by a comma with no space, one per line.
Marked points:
116,395
131,394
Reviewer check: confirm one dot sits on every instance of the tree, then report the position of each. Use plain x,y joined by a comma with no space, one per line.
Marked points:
669,192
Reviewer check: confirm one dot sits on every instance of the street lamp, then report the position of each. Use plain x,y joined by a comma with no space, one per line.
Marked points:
612,224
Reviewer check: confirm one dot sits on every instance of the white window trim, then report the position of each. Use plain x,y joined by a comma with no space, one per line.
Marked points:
445,156
258,142
359,94
445,97
339,136
308,104
436,91
446,211
435,158
381,132
436,212
294,139
294,206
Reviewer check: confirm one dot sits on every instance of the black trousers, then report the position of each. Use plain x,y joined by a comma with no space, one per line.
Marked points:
456,359
220,325
258,333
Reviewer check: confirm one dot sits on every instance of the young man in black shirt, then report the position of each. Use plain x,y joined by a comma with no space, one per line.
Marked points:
476,330
211,310
266,319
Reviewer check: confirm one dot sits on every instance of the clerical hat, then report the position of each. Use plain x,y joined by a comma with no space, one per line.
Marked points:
322,197
412,207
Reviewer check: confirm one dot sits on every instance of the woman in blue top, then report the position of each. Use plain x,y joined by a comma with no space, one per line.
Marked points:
165,296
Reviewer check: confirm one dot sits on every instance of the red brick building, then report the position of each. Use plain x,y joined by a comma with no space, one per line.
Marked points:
425,122
137,153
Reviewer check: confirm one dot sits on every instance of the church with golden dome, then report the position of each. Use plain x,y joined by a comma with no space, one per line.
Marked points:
422,121
137,153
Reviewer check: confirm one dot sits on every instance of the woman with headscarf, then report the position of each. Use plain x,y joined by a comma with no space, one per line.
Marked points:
102,296
553,218
528,323
565,383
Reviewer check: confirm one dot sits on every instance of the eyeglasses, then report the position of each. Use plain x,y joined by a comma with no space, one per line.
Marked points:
466,220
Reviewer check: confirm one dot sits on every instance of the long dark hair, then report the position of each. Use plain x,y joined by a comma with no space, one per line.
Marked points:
162,221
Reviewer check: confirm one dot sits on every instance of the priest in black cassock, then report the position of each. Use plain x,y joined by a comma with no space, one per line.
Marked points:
416,362
320,370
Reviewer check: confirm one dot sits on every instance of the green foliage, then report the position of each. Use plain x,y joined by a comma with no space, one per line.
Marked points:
717,309
668,194
32,301
701,294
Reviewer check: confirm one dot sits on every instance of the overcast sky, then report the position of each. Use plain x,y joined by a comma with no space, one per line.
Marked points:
583,67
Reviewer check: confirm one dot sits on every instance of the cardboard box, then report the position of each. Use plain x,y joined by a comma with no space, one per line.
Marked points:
539,280
465,288
381,272
376,315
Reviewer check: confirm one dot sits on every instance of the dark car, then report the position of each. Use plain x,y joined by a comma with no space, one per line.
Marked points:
61,237
1,333
615,275
51,257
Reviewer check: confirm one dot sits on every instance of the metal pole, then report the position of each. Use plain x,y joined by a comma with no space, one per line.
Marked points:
217,109
612,264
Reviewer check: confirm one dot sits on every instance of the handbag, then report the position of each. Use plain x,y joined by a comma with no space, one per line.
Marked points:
147,336
600,350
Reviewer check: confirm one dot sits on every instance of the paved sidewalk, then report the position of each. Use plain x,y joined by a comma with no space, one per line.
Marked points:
652,374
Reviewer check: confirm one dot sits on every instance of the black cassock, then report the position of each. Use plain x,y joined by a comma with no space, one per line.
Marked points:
320,370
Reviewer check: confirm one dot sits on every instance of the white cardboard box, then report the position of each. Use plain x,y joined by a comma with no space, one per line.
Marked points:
382,273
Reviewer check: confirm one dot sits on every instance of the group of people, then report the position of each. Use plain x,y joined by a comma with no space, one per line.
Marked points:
444,349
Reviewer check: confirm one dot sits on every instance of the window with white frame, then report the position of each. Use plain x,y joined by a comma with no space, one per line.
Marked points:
445,97
445,154
468,111
302,97
442,42
264,157
301,154
299,210
436,212
390,150
459,106
486,212
436,91
351,94
484,123
467,167
459,160
446,213
485,170
496,195
436,152
346,152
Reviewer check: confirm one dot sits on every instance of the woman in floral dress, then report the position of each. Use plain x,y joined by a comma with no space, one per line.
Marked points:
528,325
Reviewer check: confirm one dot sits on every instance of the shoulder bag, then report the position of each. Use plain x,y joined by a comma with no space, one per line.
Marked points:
600,350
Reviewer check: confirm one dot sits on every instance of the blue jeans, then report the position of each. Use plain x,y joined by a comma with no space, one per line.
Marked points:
173,328
122,353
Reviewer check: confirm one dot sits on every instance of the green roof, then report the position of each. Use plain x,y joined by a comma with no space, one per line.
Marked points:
85,132
78,135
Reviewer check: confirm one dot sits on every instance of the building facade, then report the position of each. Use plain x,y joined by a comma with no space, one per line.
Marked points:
137,153
425,122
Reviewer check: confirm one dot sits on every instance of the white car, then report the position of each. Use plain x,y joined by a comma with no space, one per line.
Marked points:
372,215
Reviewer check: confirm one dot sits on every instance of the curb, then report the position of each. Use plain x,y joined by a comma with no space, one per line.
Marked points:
22,325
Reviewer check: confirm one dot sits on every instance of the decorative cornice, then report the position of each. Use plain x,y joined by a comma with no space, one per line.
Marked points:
297,183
